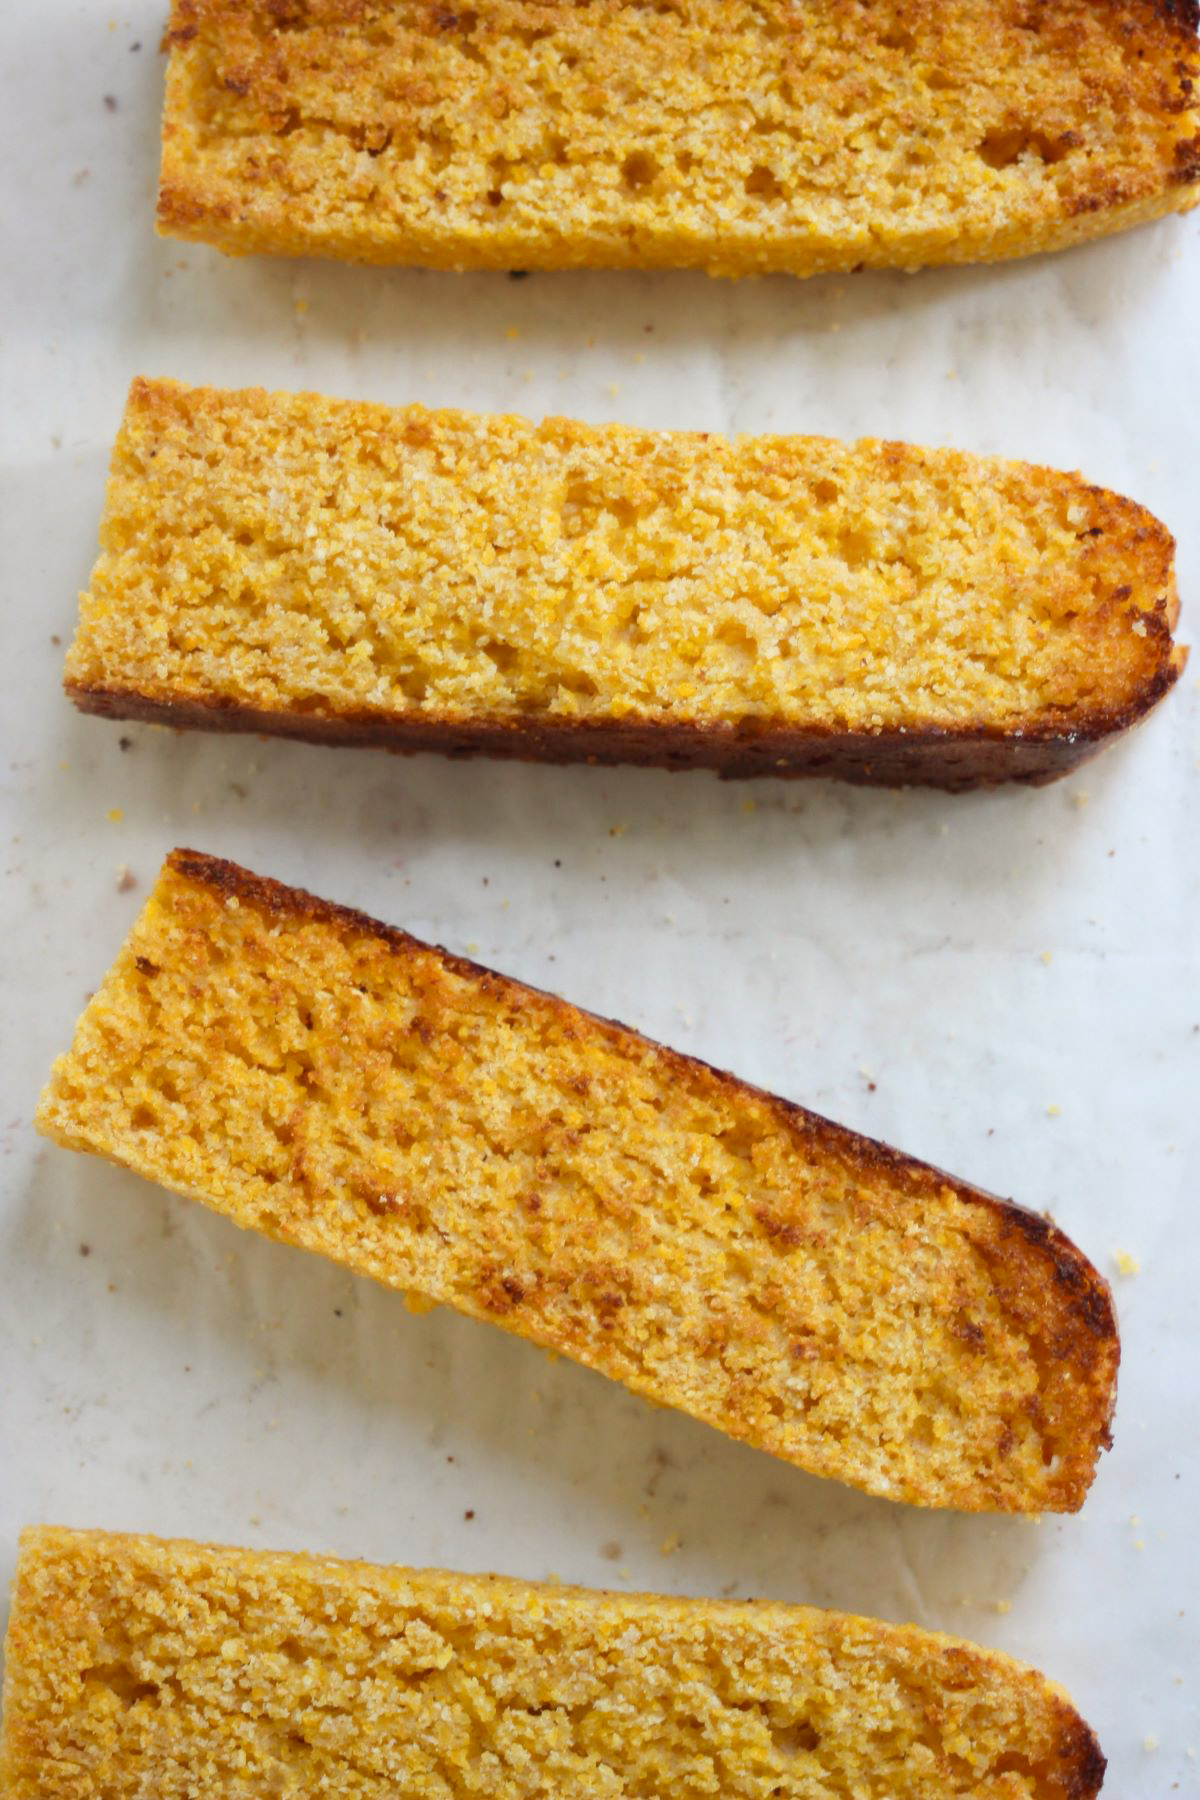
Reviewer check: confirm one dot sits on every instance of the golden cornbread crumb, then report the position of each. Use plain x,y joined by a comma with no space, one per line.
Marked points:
142,1667
741,138
341,570
343,1087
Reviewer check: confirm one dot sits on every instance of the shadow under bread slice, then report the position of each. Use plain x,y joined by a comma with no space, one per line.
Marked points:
338,1085
742,137
139,1666
419,580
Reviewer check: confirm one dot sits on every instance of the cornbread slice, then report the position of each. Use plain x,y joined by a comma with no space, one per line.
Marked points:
741,137
777,605
338,1085
138,1666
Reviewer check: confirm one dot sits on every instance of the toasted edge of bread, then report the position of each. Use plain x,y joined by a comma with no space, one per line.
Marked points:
955,760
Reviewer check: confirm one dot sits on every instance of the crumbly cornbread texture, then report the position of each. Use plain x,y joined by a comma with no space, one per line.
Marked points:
140,1667
338,1085
763,605
742,136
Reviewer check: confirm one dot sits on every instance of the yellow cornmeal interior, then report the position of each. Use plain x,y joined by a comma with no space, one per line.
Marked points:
138,1666
297,554
748,136
493,1149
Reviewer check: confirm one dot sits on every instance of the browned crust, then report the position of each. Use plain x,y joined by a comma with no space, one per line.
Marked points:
954,758
1026,1250
1180,18
1082,1763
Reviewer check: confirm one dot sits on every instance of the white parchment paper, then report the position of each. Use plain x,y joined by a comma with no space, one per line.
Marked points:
1004,983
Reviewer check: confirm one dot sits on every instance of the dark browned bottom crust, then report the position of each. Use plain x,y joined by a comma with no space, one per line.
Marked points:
955,760
1084,1764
